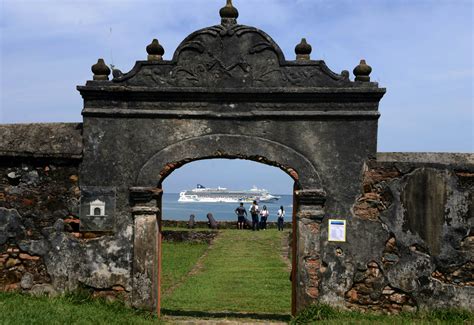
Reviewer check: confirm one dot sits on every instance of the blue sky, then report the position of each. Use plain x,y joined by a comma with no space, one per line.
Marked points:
421,51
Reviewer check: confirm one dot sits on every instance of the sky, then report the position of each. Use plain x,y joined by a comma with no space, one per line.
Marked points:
420,50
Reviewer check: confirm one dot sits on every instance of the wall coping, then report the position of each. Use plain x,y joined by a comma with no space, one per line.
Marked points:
64,140
41,140
441,158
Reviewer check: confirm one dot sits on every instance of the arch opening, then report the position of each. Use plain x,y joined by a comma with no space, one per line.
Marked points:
257,149
232,173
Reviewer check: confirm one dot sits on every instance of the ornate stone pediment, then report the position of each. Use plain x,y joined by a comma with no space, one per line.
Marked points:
227,62
231,56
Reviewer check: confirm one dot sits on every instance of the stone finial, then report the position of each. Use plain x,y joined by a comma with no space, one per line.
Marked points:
155,51
229,14
303,50
100,70
362,72
345,74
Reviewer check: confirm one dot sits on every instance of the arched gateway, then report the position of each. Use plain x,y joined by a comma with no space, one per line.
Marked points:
228,92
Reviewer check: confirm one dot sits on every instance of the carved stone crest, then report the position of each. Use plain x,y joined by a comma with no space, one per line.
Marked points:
230,56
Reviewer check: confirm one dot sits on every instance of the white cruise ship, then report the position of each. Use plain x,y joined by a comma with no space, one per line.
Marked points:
223,195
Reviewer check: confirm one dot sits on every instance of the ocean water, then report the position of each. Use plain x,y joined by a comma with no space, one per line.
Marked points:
174,210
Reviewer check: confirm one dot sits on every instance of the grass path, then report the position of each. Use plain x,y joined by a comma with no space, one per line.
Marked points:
178,260
243,272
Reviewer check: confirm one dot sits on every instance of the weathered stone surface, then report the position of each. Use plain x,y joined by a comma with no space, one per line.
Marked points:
424,199
429,220
438,158
43,289
145,255
42,202
35,247
10,225
189,236
27,281
61,140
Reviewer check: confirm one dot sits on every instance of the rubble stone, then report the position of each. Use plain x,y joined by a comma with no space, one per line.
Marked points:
27,281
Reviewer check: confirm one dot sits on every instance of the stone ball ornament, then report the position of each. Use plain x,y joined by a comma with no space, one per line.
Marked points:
362,71
155,50
100,70
303,50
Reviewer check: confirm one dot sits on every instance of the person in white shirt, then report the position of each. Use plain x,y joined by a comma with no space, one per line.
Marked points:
254,213
281,216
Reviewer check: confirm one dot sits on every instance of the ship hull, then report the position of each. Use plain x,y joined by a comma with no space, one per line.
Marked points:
222,195
224,200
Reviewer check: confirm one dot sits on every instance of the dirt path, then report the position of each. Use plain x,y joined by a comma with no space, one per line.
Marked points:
285,249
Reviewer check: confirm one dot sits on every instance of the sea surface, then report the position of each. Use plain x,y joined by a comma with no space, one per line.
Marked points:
174,210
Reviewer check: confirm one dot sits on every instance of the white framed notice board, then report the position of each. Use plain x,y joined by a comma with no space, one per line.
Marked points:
337,230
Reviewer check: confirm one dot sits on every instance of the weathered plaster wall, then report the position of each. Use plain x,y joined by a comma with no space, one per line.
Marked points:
410,241
41,248
118,149
410,237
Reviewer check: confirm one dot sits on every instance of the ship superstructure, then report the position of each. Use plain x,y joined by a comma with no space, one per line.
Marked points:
222,194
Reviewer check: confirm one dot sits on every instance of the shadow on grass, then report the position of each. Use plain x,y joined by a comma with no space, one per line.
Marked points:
225,314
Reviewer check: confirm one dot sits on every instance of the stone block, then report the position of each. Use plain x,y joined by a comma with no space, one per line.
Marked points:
27,281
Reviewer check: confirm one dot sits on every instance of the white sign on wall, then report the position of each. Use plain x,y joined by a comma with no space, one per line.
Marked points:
337,230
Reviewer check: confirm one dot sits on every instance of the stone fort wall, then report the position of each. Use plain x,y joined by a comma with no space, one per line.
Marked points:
409,244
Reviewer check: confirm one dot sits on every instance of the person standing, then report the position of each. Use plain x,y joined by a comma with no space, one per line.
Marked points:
254,213
281,216
263,218
241,214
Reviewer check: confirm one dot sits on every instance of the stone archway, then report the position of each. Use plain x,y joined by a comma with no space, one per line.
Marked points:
228,92
148,205
259,149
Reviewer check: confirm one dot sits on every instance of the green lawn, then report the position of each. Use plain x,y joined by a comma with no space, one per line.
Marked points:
243,272
177,260
325,315
69,309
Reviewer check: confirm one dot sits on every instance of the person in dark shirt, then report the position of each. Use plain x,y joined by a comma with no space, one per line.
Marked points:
241,214
280,215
